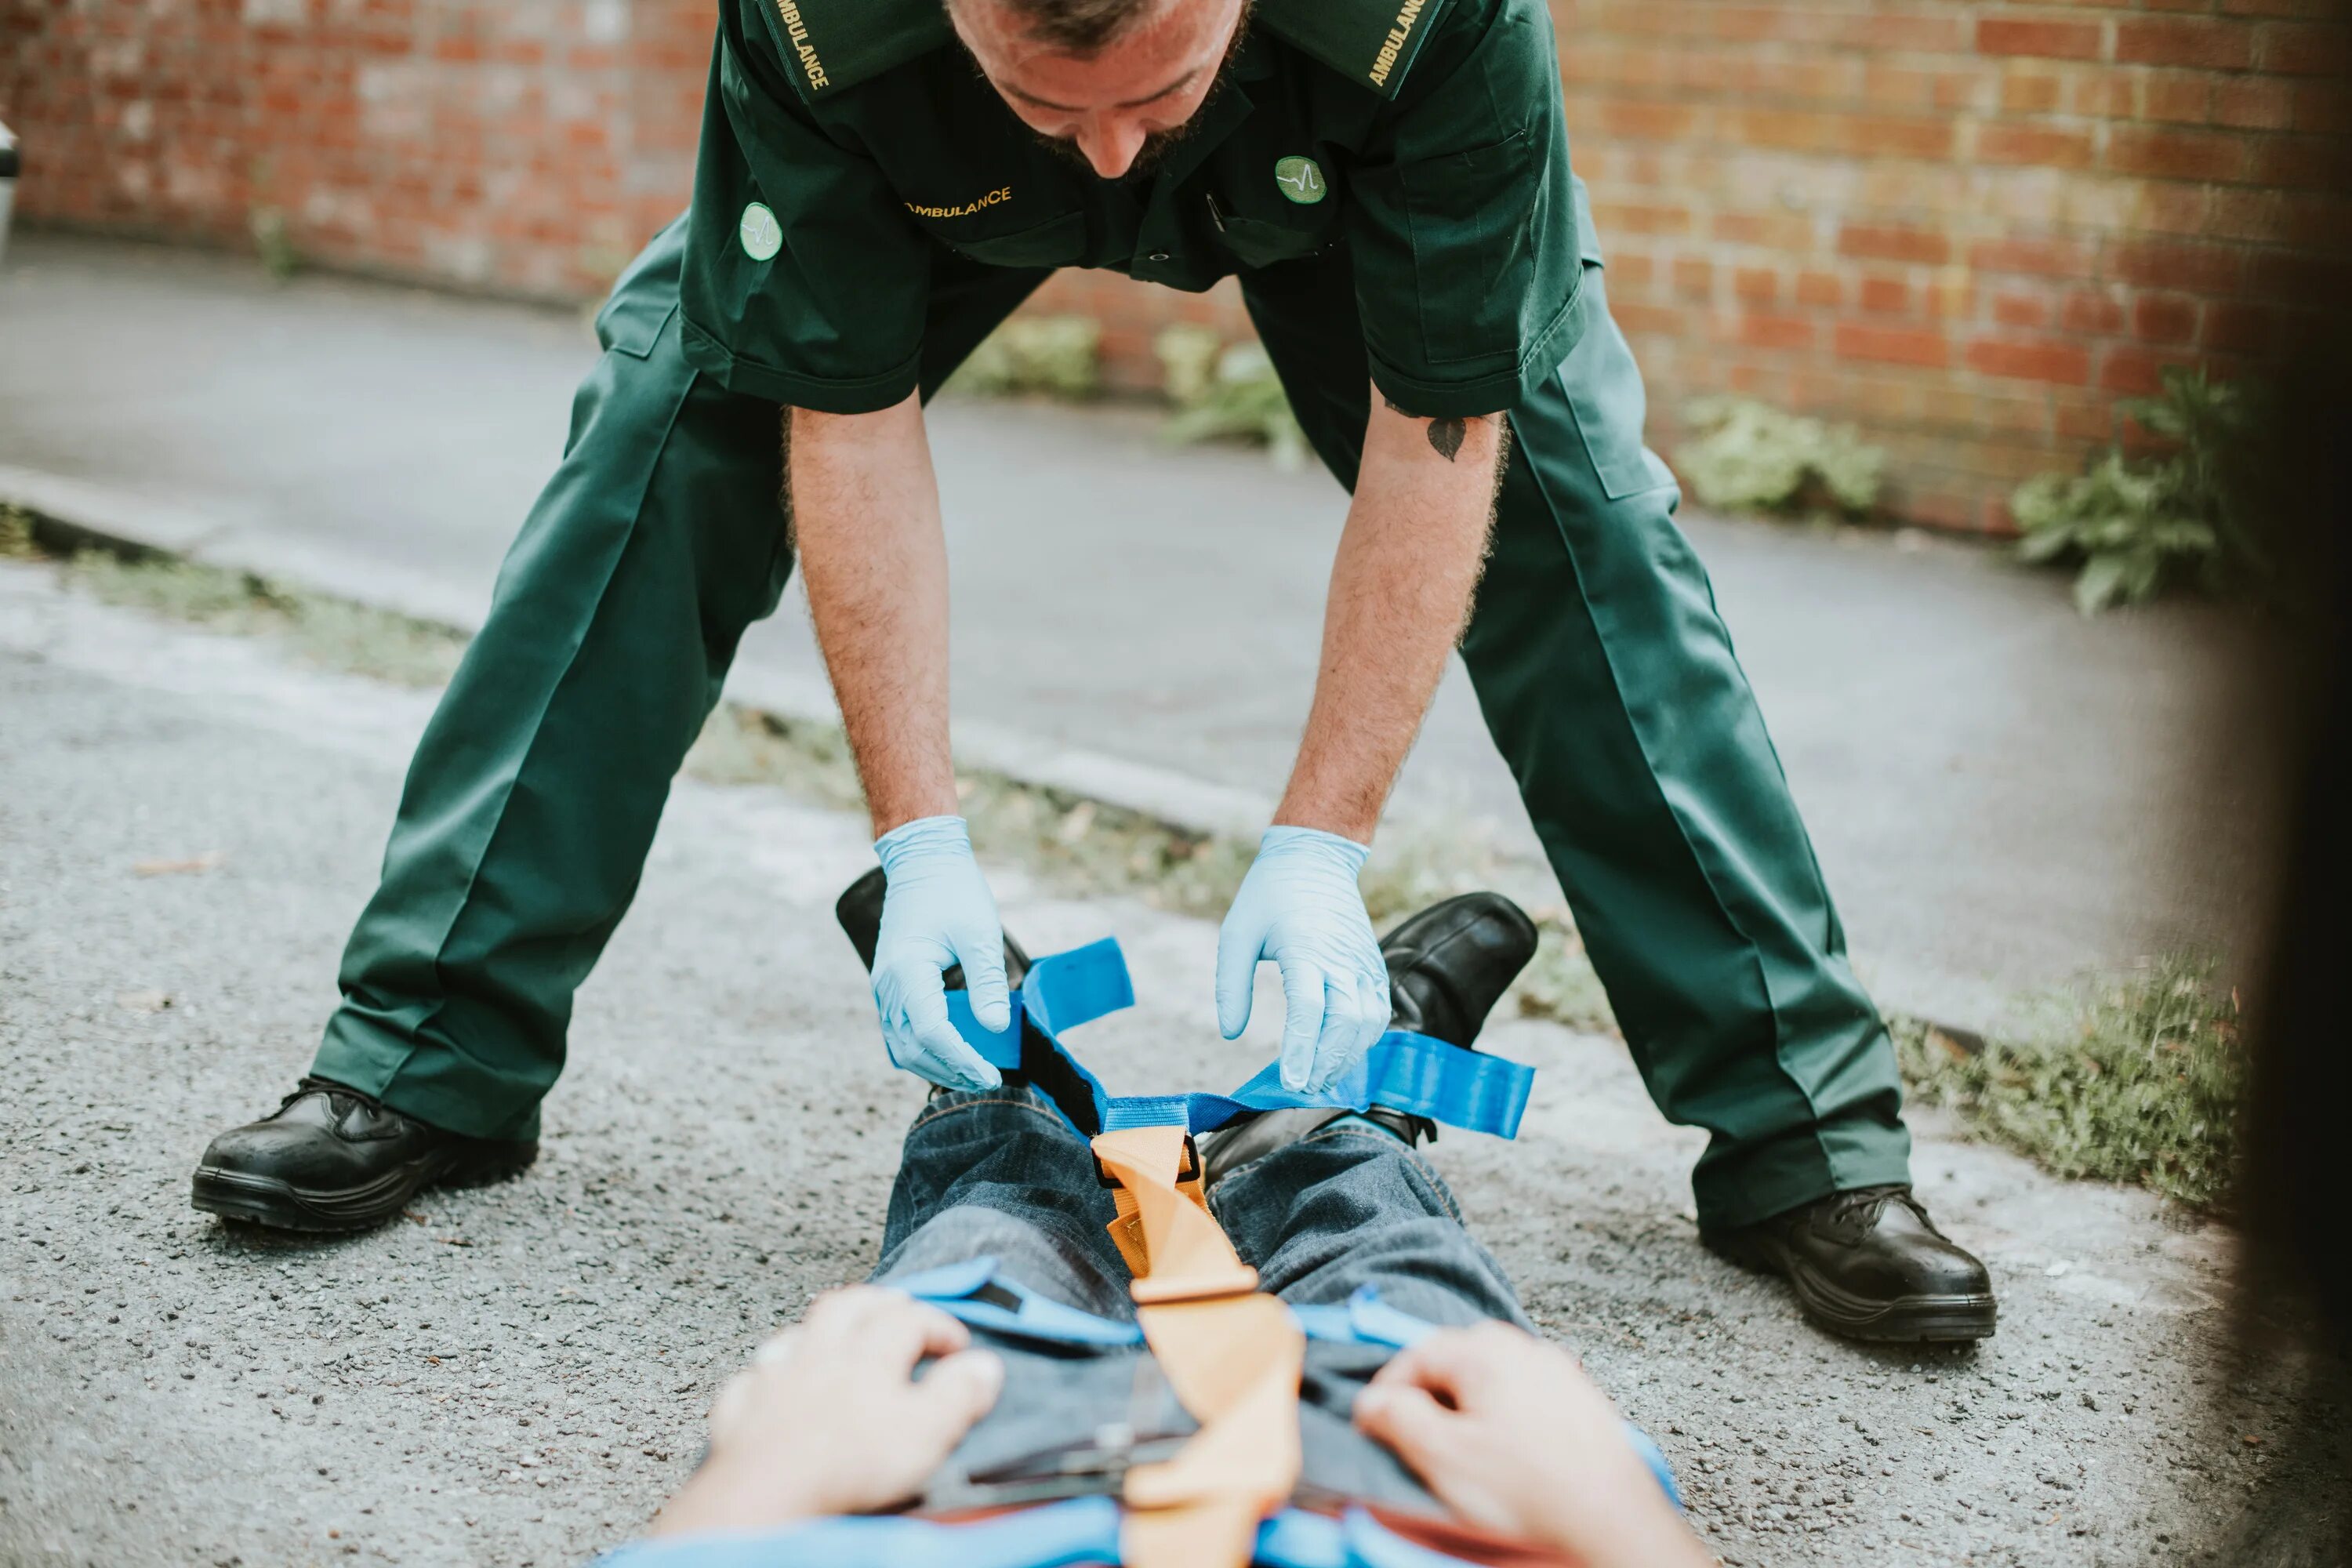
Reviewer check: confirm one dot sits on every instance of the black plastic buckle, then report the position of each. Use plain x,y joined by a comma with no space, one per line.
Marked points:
1190,1171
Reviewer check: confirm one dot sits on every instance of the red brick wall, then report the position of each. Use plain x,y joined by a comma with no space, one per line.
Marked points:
1967,226
526,146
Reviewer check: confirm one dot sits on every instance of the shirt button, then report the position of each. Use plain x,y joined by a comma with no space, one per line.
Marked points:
1157,255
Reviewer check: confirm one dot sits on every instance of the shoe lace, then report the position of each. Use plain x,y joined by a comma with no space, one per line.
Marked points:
1852,1214
336,1092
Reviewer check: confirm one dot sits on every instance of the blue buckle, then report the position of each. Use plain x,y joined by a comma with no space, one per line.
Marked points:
1417,1074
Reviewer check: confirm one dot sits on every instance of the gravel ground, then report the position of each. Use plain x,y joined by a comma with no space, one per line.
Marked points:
516,1375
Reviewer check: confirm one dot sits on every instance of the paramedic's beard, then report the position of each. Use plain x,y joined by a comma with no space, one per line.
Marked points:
1157,146
1147,158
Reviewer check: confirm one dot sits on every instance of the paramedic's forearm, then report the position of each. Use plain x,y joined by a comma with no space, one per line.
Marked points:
1408,561
865,514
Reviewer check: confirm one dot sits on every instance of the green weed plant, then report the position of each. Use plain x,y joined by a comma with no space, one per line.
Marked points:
2138,1080
2190,511
1050,356
1746,455
1225,392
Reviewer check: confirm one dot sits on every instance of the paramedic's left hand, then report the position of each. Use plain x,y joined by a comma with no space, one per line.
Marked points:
1300,907
830,1419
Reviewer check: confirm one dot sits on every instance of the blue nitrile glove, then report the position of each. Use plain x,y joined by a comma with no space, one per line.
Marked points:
1300,907
937,912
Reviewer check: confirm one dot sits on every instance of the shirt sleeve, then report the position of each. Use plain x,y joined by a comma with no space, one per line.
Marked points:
1464,223
805,279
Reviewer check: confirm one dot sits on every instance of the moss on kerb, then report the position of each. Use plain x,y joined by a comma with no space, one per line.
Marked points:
334,634
2137,1079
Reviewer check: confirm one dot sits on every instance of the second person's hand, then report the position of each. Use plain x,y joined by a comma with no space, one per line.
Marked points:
936,913
1510,1434
1300,907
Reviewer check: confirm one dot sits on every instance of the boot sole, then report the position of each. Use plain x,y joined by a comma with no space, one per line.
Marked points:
1906,1320
279,1205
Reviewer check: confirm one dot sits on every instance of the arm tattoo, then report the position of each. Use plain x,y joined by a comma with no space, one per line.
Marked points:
1444,434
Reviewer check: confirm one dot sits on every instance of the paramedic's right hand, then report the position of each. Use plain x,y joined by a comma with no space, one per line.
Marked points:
1510,1434
937,912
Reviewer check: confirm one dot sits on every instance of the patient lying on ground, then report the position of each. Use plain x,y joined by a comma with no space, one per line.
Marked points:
1016,1371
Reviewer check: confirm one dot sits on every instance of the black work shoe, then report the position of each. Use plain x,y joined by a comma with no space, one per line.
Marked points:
1869,1264
1448,965
333,1159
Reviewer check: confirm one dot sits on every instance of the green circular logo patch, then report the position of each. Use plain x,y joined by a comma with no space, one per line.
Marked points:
761,235
1300,180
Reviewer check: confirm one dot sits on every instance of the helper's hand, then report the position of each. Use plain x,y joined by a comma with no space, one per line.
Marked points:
1301,906
829,1417
937,913
1511,1435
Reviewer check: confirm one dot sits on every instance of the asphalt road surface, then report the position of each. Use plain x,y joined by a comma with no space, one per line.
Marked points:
516,1375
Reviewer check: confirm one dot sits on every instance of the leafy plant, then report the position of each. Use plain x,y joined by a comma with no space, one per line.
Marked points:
1225,392
2190,511
1748,455
1059,356
2139,1080
17,541
273,241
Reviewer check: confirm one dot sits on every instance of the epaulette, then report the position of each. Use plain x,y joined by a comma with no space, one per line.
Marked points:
1369,41
833,44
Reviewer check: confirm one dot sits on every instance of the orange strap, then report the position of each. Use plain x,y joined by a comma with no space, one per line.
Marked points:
1231,1353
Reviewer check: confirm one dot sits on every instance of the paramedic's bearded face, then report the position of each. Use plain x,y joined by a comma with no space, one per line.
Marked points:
1117,107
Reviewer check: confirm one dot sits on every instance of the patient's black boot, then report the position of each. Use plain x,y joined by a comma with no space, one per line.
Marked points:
1448,965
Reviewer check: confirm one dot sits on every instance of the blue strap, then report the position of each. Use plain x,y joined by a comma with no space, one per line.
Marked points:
1081,1530
1063,990
1149,1111
1652,1455
1403,1070
1000,1049
1414,1073
957,1289
1363,1319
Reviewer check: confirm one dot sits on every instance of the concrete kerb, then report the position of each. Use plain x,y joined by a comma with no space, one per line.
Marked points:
74,513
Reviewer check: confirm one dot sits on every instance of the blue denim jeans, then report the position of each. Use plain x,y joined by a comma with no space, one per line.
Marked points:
999,1173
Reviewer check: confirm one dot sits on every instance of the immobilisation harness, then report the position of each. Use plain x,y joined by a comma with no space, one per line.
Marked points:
1231,1353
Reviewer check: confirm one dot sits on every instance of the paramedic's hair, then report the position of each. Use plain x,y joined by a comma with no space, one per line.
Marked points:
1077,27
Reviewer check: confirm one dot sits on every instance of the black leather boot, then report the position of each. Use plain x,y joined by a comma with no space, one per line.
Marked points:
333,1159
1447,967
1869,1264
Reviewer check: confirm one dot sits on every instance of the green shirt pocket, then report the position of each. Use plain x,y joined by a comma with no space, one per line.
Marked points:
1264,242
1056,242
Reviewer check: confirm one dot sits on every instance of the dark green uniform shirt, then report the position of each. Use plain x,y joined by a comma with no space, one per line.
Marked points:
846,142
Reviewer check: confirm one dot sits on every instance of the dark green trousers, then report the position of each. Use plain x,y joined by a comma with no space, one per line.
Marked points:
1599,659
